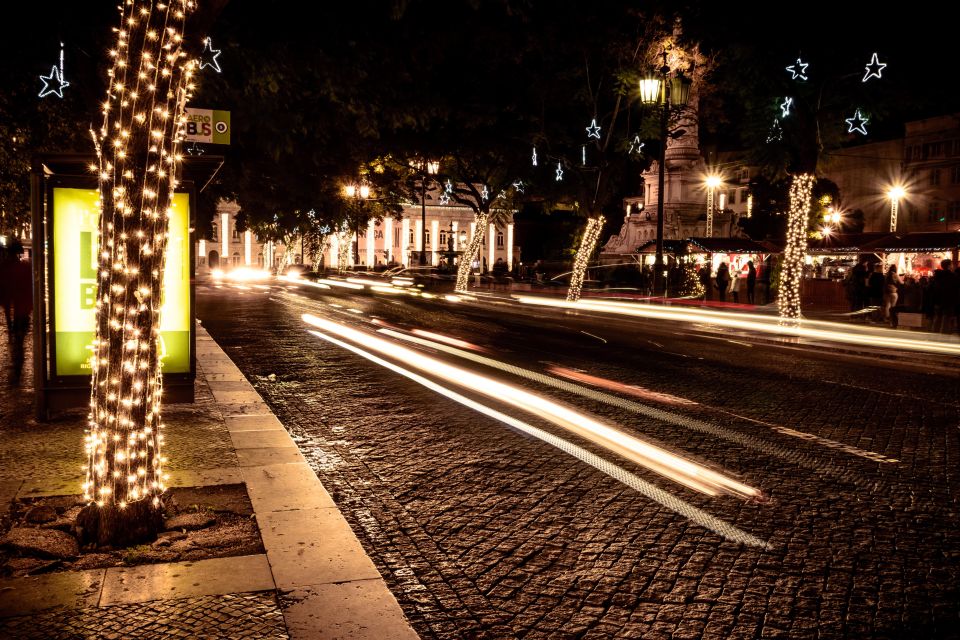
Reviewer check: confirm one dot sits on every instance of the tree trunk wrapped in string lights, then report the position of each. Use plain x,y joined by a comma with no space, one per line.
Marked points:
801,192
138,150
473,250
588,245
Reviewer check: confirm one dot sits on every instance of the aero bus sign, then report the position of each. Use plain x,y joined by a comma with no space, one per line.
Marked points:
208,125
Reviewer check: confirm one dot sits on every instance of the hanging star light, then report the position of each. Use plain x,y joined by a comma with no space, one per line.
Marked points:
593,131
874,67
776,131
799,70
636,146
214,54
518,185
785,106
857,123
559,172
448,187
534,156
583,155
55,82
444,198
485,193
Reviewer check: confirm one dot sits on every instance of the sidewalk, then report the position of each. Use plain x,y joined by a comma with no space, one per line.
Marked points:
313,581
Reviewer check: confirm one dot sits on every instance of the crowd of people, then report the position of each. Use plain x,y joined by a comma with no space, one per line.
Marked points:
887,295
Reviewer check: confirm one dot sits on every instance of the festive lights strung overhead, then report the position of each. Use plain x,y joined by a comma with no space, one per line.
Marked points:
208,58
444,198
593,131
448,187
484,193
583,155
801,191
857,123
785,106
776,131
534,156
518,185
635,146
874,67
139,158
54,83
559,172
798,70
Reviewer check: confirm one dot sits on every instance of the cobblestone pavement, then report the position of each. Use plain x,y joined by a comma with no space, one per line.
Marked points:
238,615
484,532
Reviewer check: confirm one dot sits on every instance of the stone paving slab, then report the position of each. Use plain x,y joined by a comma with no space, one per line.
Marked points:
71,590
233,616
313,546
333,611
204,477
262,439
269,456
285,487
216,576
253,423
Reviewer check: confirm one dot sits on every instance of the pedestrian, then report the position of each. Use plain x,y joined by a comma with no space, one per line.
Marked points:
891,291
723,280
875,287
704,275
858,277
945,295
17,298
751,282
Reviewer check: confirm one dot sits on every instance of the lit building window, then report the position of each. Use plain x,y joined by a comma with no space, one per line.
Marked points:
213,232
499,238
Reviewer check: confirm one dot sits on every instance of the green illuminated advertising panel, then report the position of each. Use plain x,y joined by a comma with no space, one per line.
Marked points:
75,246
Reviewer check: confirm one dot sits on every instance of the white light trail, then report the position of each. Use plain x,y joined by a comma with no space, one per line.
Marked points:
669,465
647,489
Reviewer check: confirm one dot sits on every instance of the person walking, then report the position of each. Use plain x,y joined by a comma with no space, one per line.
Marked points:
751,282
17,299
704,275
945,295
723,280
891,291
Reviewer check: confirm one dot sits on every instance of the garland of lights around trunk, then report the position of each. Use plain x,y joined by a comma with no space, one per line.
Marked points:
590,237
138,150
473,249
801,191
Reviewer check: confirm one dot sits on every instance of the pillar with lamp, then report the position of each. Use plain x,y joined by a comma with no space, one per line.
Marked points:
426,168
360,193
669,93
896,194
713,181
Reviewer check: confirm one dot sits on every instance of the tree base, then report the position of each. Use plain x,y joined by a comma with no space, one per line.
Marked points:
110,525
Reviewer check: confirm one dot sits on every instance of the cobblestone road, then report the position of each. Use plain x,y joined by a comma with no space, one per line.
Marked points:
484,532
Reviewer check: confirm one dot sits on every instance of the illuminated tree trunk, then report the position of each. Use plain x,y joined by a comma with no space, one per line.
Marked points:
588,245
138,149
473,249
801,192
343,251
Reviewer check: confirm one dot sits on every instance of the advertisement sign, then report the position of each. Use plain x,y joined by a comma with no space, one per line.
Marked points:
208,125
74,280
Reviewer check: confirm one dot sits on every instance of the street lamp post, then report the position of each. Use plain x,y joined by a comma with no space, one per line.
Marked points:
361,193
660,89
430,167
895,193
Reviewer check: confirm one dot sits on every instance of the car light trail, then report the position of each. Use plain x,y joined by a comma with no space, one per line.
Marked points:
456,342
627,389
669,465
742,439
764,324
651,491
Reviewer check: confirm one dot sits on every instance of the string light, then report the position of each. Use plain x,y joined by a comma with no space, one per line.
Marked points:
473,249
593,131
590,237
798,70
56,77
874,67
776,131
801,191
857,123
143,118
785,106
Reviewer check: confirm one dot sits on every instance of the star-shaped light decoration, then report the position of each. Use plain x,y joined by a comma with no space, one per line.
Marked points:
559,172
874,67
636,146
518,185
534,156
857,123
485,193
196,150
213,55
448,187
776,131
785,106
53,83
593,131
799,70
444,198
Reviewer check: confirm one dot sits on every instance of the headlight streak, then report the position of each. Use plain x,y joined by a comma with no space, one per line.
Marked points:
627,389
744,440
671,466
677,505
752,322
456,342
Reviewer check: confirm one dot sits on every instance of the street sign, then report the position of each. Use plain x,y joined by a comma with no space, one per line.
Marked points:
75,230
207,125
